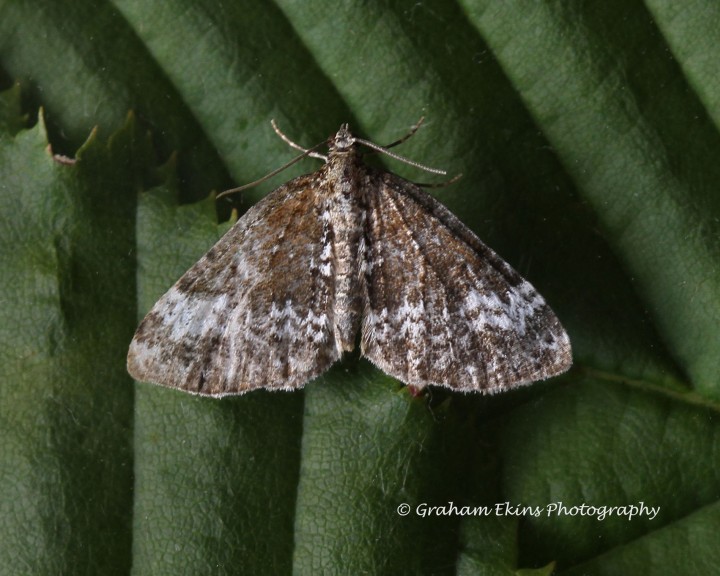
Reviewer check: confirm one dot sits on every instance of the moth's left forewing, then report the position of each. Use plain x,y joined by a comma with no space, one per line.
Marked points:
443,308
242,317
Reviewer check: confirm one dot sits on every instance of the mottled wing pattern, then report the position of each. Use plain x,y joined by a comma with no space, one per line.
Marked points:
243,317
442,307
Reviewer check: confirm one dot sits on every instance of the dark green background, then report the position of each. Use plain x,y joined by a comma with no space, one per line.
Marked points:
587,135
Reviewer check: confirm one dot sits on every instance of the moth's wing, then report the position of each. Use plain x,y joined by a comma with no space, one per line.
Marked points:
442,307
254,311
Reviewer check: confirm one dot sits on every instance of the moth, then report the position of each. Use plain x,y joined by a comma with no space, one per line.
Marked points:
348,254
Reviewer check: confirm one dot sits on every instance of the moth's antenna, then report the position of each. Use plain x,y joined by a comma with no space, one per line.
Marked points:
310,152
398,157
385,150
297,146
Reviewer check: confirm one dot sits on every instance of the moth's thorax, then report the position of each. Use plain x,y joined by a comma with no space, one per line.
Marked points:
344,168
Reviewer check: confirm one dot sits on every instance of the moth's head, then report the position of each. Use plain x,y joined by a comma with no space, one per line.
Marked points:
343,140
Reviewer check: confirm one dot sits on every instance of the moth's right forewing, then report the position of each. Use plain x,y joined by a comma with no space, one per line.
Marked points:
443,308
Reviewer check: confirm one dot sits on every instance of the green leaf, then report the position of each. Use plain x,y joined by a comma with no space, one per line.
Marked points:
68,293
586,134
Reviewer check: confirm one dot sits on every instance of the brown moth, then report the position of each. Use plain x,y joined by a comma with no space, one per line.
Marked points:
345,251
